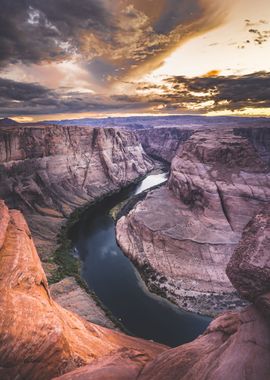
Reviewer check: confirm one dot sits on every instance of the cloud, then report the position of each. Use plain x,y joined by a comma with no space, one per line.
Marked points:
36,30
176,94
215,93
212,73
209,93
110,39
18,98
257,33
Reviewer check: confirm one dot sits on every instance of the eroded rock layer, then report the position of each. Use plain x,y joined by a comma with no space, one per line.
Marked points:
236,345
183,235
73,297
163,142
48,172
38,338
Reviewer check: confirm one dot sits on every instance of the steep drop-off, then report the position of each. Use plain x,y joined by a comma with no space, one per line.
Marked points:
163,142
236,345
48,172
183,235
38,338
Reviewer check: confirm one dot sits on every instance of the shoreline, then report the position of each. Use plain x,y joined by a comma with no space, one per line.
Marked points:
65,264
188,300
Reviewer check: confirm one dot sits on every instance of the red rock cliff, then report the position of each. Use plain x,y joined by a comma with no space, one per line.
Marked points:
38,338
186,232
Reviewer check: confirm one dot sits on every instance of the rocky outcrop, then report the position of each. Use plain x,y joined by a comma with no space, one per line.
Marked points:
163,142
259,138
235,346
71,296
183,235
249,267
48,172
38,338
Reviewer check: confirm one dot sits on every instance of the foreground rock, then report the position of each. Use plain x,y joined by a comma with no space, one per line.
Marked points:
249,267
71,296
236,345
183,235
38,338
48,172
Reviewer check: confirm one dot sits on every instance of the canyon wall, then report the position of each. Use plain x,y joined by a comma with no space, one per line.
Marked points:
183,234
40,339
235,346
163,142
48,172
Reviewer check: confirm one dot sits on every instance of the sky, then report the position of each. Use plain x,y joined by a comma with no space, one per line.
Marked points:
63,59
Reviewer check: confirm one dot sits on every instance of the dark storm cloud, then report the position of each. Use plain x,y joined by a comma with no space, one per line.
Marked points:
37,30
232,92
16,91
120,34
177,12
205,94
176,94
32,99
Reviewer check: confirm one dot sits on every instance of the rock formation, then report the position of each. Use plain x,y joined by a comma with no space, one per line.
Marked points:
249,267
38,338
48,172
183,235
163,142
71,296
211,174
236,345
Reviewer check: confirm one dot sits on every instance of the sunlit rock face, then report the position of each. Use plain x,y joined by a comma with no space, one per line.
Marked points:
47,172
235,346
38,338
184,234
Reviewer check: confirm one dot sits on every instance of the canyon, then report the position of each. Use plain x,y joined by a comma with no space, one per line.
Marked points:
182,235
202,239
48,172
41,340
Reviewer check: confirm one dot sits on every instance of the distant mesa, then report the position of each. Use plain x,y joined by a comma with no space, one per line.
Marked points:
6,122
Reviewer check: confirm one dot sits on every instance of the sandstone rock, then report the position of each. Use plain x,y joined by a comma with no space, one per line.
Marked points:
235,346
186,232
71,296
121,366
38,338
163,142
249,266
48,172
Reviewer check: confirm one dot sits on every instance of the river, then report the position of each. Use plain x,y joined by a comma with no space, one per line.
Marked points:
118,284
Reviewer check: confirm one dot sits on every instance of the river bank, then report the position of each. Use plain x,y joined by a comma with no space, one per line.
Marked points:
63,270
118,284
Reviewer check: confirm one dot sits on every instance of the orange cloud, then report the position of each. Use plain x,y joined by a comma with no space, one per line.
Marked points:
212,73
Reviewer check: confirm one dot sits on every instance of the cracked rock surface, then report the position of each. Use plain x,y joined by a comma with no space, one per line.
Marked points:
39,339
235,346
48,172
185,233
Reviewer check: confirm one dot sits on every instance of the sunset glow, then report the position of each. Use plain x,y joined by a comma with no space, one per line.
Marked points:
134,57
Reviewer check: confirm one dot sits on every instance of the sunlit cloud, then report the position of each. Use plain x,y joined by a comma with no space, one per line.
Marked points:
133,56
